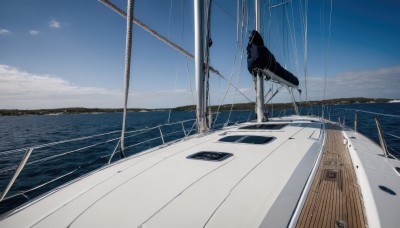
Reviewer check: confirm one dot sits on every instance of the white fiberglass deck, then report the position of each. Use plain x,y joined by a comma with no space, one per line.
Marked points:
379,180
258,185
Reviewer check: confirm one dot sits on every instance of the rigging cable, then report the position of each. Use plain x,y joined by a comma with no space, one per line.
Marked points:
305,45
176,79
322,28
303,19
128,52
230,83
272,103
244,31
329,47
176,76
296,57
292,34
230,80
238,40
224,10
169,18
177,65
190,80
292,39
186,56
327,58
165,40
269,23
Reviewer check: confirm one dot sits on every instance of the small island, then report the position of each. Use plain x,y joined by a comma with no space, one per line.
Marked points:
225,107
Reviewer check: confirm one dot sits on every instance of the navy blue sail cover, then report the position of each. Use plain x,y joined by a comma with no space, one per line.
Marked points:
258,56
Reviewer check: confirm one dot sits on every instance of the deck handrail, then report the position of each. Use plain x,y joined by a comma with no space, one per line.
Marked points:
369,112
381,133
24,162
341,114
88,137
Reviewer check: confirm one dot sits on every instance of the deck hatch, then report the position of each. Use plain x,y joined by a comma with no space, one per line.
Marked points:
249,139
264,127
210,156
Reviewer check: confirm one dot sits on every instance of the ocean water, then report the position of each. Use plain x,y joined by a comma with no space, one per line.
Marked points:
55,164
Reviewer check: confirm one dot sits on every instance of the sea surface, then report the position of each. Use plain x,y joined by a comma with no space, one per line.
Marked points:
56,159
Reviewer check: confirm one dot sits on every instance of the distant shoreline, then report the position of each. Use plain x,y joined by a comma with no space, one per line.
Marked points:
225,107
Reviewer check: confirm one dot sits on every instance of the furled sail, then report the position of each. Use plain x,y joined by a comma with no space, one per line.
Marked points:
258,56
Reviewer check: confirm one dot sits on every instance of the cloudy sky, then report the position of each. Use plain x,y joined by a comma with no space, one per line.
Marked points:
70,53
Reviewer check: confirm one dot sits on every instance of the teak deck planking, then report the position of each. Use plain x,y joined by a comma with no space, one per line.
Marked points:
334,197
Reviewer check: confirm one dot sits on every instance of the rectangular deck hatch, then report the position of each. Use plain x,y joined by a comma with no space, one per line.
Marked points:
264,127
210,156
250,139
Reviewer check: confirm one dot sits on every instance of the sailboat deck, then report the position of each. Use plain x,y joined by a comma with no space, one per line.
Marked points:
258,185
334,199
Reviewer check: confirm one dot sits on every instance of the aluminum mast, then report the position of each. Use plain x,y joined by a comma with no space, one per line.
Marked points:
259,76
199,64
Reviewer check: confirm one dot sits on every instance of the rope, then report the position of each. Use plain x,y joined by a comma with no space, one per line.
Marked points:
128,52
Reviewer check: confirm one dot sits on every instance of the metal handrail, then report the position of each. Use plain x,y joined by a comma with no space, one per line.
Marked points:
161,134
57,143
115,149
39,186
16,173
24,162
394,136
59,155
369,112
381,133
381,138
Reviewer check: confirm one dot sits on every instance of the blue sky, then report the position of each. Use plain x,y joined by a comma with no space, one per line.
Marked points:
70,53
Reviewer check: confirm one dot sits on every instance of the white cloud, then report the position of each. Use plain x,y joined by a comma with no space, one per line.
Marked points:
23,90
54,24
34,32
375,83
4,32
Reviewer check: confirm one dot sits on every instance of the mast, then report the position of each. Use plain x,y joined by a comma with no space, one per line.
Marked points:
199,64
259,76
